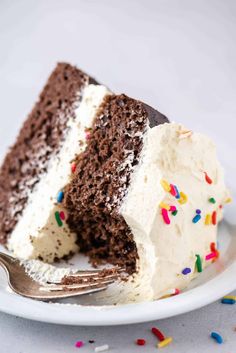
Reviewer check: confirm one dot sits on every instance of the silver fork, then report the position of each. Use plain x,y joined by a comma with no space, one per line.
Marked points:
21,283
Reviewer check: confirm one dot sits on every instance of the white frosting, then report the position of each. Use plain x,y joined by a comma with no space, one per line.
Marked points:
165,250
37,233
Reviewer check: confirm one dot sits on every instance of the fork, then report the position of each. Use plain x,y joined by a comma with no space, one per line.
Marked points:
89,281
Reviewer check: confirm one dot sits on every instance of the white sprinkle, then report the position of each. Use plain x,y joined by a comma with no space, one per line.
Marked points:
102,348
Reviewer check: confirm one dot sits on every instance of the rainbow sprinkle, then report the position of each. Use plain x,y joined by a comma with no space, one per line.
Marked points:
73,167
183,198
60,196
164,343
207,178
79,344
173,190
226,300
216,336
208,220
214,218
212,255
174,213
212,200
165,216
140,342
165,206
199,263
186,271
103,348
62,215
197,217
58,219
165,185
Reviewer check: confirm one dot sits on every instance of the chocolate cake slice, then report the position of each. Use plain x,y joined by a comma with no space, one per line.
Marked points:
109,176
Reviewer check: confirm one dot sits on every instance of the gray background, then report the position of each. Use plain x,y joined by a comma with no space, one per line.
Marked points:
179,56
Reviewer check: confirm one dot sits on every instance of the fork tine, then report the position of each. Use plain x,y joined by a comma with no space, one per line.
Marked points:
81,286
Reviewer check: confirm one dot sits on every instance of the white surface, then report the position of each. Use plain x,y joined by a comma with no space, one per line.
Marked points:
215,282
176,55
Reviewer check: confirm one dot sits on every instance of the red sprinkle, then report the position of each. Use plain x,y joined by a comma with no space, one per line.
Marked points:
141,342
62,216
73,167
172,190
158,334
220,206
208,179
213,246
214,218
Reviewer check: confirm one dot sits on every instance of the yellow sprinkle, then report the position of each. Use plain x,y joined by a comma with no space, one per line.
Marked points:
165,185
228,200
164,343
230,297
208,220
183,198
164,205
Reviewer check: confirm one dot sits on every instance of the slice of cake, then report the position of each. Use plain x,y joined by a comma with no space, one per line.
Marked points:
109,176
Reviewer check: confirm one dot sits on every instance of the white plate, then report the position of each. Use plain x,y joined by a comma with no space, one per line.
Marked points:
215,282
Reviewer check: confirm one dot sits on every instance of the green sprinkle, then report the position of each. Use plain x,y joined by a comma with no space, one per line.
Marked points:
58,219
199,263
174,213
212,200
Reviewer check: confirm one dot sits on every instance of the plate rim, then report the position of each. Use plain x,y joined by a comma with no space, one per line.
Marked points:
125,314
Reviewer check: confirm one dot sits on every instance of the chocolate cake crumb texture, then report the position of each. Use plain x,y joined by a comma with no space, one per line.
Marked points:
39,139
102,177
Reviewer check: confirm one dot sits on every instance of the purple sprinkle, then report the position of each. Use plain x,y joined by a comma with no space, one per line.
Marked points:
198,211
186,270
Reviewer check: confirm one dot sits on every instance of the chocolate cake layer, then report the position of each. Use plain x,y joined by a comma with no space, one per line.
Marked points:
39,139
103,173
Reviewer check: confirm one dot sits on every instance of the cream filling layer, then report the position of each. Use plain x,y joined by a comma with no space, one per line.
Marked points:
37,234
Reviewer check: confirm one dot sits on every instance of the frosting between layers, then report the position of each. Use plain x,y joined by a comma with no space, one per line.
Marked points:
37,234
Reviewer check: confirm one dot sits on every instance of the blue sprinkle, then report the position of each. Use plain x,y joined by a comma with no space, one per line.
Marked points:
217,337
228,301
196,218
177,192
60,196
186,271
198,211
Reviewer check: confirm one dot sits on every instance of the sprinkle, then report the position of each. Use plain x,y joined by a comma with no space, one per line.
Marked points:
177,192
212,200
207,178
214,218
62,215
210,256
165,185
228,200
183,198
228,301
79,344
103,348
220,206
174,213
196,218
164,343
58,219
184,133
199,263
198,211
60,196
164,205
165,216
213,246
173,190
170,293
172,208
91,341
208,220
217,337
73,167
186,271
158,334
140,342
230,297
